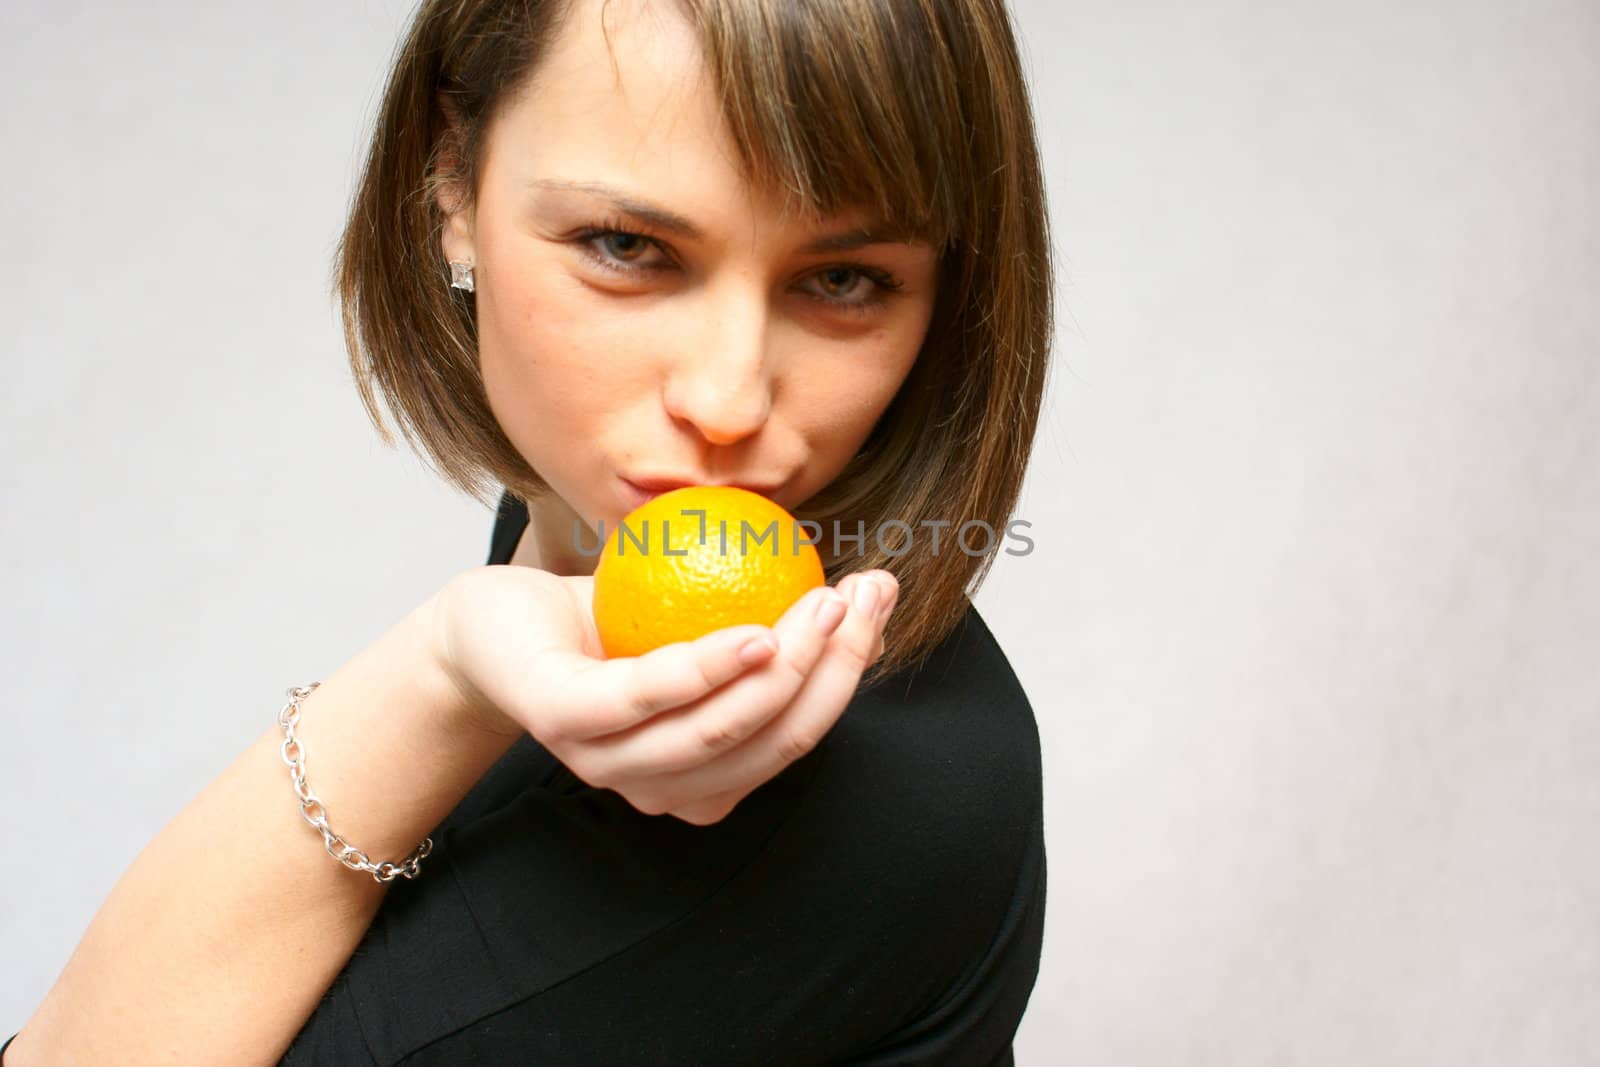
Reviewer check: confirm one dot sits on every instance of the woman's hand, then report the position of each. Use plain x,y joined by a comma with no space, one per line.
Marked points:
688,729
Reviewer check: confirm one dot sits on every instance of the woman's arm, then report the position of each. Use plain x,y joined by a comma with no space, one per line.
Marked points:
218,942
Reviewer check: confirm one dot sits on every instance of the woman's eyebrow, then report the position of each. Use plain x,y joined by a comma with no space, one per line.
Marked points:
672,222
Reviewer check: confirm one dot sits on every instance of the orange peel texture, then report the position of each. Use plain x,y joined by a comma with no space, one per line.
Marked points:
666,573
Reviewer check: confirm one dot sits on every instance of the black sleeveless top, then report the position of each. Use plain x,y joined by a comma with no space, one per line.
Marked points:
880,901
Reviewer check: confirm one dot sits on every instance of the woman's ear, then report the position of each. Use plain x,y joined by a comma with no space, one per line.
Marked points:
449,192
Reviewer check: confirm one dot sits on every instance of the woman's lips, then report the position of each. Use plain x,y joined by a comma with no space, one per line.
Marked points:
636,494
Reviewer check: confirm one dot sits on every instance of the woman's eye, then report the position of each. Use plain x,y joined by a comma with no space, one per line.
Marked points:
616,249
841,282
855,289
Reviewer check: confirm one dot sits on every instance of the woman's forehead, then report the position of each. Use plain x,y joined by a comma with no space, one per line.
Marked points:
632,57
634,99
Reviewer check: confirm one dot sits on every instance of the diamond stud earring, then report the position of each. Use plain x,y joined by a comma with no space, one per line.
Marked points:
461,275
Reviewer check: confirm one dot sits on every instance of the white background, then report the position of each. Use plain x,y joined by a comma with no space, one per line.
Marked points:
1312,624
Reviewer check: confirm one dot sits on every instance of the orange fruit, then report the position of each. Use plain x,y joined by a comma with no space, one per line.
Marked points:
668,574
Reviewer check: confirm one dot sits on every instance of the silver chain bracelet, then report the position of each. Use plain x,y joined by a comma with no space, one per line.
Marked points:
313,812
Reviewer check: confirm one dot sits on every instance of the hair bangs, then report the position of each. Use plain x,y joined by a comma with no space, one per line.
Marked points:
842,106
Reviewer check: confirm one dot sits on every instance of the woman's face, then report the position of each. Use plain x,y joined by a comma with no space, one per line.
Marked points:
644,314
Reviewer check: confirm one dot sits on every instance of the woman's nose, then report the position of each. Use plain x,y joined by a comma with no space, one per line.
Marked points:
721,385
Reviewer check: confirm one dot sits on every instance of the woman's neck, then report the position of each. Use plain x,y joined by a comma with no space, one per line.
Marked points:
548,541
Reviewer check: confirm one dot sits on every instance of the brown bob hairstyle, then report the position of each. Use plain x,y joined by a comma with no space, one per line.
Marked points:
914,110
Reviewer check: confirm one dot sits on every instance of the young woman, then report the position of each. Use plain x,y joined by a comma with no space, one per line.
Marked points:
601,246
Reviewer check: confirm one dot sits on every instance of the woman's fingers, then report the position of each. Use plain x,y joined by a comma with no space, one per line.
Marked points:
690,735
701,795
597,697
